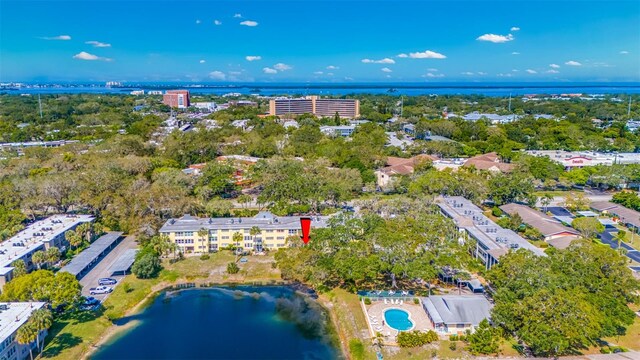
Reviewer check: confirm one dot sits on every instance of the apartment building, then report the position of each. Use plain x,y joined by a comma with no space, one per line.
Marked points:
202,235
345,108
40,235
12,317
492,241
176,99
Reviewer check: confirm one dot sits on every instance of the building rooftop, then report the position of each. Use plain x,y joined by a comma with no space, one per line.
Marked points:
587,158
457,309
264,220
14,315
81,261
497,240
547,225
35,235
626,215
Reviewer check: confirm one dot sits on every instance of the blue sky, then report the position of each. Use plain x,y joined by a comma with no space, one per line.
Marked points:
320,41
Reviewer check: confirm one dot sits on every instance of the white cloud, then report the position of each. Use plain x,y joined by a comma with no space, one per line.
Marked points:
235,72
86,56
515,28
348,78
573,63
253,57
318,72
482,73
386,69
495,38
381,61
427,54
202,61
59,37
388,76
198,21
330,74
432,75
432,70
505,75
217,22
624,52
98,44
555,66
237,15
282,67
403,55
331,67
217,75
269,70
531,71
250,23
467,73
552,71
515,53
515,70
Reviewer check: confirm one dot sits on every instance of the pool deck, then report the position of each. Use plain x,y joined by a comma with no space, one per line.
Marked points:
374,314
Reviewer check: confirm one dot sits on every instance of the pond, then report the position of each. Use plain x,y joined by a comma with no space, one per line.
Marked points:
271,322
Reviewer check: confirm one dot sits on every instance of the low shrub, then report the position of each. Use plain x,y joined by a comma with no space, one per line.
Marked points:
232,268
367,301
416,338
205,257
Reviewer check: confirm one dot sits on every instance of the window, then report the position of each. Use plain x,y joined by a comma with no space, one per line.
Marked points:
247,238
248,245
225,238
293,231
269,237
213,247
280,237
280,230
213,238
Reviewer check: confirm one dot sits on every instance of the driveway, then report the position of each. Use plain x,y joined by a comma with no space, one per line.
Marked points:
101,270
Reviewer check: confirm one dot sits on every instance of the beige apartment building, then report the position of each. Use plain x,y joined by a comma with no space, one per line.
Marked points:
194,235
346,108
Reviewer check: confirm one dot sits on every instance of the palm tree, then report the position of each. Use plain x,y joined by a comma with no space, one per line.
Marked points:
620,237
53,255
41,319
203,234
254,231
73,238
546,200
39,258
237,237
26,335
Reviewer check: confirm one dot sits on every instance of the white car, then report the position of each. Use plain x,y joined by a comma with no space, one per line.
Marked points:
100,290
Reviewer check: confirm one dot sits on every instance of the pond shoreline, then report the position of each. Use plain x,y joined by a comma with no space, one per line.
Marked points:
300,289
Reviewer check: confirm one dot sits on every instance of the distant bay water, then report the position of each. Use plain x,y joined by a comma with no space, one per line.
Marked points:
407,89
247,322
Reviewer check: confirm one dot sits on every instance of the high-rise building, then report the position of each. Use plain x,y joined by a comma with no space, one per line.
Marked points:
176,99
345,108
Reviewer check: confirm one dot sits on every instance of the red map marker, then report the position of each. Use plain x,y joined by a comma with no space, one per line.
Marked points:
305,223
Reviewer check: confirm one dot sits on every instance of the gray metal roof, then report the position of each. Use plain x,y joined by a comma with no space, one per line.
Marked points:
264,220
457,309
81,261
124,262
489,234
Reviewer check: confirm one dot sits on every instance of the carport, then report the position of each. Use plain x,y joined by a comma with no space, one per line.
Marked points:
124,263
83,262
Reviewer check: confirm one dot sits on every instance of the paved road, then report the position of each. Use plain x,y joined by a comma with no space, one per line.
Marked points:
558,211
102,268
607,237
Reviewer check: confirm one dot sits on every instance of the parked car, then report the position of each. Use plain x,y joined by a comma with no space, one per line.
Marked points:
90,301
107,281
100,290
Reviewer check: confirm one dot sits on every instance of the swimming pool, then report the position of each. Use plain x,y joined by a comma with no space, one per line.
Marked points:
398,319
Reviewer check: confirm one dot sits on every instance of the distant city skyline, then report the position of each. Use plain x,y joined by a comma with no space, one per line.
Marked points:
319,41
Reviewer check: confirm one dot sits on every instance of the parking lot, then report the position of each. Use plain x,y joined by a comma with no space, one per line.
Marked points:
102,269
